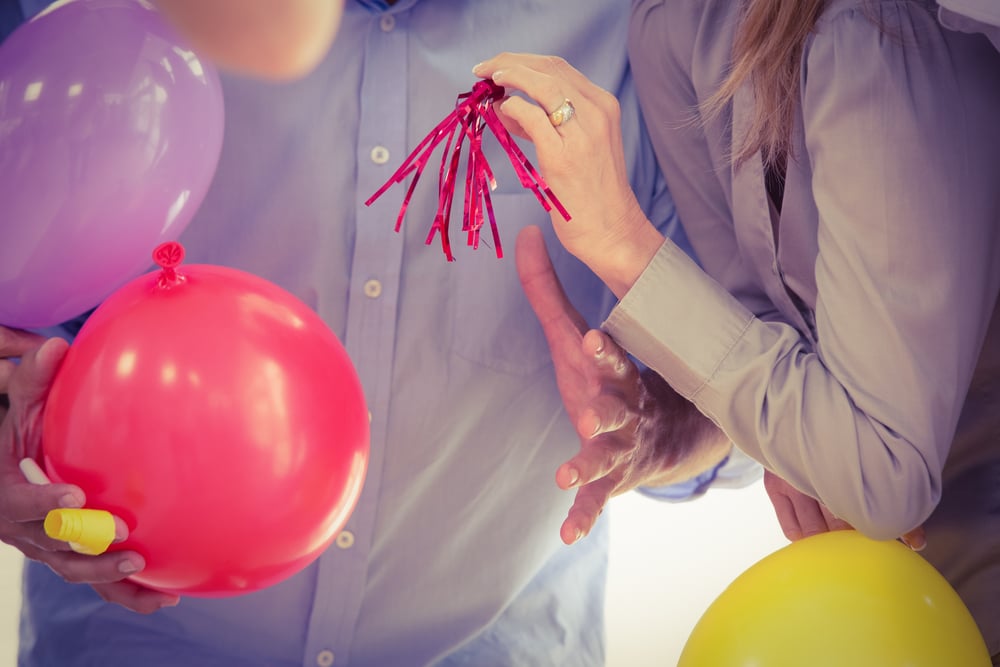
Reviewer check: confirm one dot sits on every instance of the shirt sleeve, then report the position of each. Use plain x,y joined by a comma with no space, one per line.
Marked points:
902,138
734,472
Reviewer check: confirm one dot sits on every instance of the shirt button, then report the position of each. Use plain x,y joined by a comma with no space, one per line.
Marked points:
345,539
373,289
380,155
324,658
387,23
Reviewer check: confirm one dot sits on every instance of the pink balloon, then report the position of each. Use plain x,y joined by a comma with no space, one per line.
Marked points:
110,132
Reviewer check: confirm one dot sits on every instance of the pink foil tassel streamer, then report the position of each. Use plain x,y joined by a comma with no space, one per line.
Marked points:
473,113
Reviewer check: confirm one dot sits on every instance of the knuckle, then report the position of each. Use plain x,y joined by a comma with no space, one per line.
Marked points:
106,593
610,458
554,63
611,103
552,94
592,505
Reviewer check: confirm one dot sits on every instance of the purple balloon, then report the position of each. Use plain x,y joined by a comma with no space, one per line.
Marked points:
110,133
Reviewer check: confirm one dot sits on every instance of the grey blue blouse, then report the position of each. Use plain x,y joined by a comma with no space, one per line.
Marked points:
848,342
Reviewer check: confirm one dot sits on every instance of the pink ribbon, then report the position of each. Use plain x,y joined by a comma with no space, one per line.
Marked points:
472,114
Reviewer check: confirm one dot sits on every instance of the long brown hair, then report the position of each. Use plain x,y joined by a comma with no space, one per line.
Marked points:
767,52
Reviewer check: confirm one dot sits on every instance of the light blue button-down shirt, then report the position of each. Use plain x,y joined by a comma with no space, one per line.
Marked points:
452,556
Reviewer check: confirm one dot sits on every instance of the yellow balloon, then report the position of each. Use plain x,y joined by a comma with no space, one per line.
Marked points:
837,600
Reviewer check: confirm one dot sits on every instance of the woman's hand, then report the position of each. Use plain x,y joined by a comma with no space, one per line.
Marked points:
800,515
582,160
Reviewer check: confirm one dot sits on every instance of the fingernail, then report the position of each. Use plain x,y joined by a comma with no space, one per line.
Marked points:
496,76
916,544
477,68
70,501
128,566
574,476
173,602
599,350
577,536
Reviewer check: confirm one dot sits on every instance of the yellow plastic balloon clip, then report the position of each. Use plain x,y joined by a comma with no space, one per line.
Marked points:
88,531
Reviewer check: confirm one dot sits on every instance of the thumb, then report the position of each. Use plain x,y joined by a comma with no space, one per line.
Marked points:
30,383
541,284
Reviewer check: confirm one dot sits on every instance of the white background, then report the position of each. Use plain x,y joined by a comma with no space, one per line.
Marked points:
668,563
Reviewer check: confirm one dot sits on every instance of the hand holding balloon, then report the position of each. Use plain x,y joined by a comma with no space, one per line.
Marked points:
24,505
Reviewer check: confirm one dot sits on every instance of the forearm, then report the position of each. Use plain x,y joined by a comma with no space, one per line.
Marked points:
272,39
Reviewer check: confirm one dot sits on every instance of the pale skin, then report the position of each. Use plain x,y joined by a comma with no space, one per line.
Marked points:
610,233
278,40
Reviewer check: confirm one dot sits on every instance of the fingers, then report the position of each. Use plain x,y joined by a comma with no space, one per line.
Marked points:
541,284
590,501
799,515
30,383
916,539
810,517
15,342
20,431
21,501
6,371
606,415
547,79
135,597
612,362
80,569
784,510
833,522
107,574
605,456
517,114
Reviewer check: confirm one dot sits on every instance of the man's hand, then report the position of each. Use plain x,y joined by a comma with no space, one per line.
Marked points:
23,506
801,515
13,343
634,430
279,40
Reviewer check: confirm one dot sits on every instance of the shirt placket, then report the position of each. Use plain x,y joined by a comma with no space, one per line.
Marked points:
370,331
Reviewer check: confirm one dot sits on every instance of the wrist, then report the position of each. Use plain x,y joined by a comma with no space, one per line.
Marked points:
621,261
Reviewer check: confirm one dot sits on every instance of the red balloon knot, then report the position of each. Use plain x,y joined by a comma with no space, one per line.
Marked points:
168,256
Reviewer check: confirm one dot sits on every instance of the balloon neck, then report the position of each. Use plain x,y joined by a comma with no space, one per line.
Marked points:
168,256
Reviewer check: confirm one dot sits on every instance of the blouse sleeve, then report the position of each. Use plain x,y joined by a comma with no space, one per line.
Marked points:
904,145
